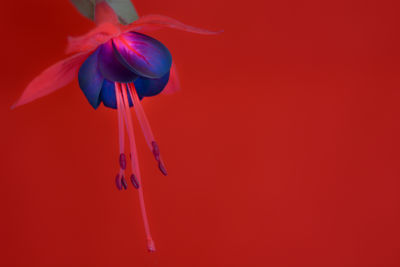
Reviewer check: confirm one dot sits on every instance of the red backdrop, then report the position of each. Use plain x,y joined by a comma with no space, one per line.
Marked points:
282,147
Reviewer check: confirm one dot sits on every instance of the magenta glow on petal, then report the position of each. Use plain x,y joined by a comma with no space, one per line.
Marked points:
144,55
111,68
96,37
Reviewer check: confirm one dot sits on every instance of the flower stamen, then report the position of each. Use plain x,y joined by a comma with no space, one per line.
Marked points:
122,161
122,158
134,181
146,129
121,94
118,182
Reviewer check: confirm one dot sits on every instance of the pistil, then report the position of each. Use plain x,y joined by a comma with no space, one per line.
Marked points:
121,95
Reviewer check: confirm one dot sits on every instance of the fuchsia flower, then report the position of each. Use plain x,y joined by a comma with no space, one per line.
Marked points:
118,65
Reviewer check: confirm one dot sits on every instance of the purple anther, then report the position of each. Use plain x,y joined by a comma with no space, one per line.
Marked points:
124,183
134,181
162,168
156,150
122,161
118,182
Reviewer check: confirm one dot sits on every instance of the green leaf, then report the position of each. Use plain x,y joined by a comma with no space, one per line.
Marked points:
123,8
85,7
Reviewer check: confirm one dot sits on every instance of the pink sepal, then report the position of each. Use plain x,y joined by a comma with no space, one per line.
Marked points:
151,22
174,84
52,79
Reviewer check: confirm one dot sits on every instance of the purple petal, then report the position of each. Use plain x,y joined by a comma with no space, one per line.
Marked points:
107,95
150,87
142,54
91,80
111,68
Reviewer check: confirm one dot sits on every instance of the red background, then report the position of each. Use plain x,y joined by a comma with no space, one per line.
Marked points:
282,147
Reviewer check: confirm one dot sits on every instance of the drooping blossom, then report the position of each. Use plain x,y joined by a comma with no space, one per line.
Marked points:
117,66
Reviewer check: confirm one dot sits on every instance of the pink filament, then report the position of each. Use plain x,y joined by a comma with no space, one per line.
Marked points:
123,98
121,132
145,125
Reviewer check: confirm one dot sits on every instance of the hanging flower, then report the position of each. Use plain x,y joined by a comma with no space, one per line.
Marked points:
118,65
